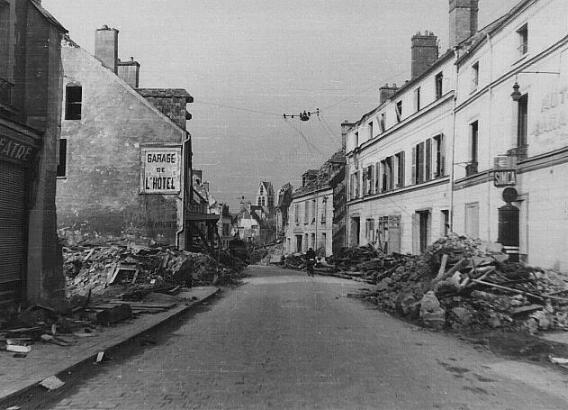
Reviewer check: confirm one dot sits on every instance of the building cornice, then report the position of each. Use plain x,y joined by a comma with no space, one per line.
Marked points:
412,188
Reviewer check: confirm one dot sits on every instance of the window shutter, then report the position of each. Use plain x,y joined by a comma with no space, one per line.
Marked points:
364,182
377,177
402,176
381,182
442,155
395,170
428,161
371,179
414,180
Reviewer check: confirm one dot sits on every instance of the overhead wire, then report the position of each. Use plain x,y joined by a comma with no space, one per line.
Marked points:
301,134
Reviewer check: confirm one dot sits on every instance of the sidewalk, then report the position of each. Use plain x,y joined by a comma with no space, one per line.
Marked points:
20,374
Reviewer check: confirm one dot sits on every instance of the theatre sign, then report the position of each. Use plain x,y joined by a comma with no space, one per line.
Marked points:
161,170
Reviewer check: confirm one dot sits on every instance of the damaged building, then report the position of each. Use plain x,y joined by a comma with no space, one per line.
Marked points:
125,153
30,89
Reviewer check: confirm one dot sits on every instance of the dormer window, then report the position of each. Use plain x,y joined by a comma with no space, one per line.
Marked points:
439,85
398,109
474,76
523,39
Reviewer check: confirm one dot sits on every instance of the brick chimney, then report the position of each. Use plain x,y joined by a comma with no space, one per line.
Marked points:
463,20
424,52
345,126
106,47
129,71
386,92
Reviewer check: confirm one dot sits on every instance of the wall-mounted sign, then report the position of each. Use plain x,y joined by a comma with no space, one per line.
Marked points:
15,151
161,170
505,177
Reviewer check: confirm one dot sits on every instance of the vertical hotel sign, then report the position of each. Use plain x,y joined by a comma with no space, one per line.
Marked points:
161,170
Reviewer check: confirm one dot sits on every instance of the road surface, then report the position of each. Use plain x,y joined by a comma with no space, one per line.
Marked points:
286,341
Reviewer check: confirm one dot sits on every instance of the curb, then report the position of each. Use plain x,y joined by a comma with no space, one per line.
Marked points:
11,398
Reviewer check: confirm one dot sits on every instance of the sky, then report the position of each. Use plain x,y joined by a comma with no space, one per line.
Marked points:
247,62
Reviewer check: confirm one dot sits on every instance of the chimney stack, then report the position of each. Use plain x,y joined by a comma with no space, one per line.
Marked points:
386,92
129,71
345,126
463,20
106,47
424,52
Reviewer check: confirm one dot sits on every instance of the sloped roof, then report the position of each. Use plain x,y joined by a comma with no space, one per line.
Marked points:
48,16
324,175
165,93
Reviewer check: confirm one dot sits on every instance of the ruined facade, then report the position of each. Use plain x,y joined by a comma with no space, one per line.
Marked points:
125,158
30,89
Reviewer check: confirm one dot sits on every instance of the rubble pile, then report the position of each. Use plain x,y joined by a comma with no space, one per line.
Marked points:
268,254
93,268
461,282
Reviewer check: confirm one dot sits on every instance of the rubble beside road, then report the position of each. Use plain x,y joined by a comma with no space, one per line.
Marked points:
111,281
458,283
463,283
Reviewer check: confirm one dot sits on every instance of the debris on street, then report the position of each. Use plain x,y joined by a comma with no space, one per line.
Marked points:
458,283
112,282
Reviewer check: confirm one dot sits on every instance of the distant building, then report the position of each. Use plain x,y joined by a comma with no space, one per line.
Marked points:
254,224
311,212
30,91
283,200
265,196
125,153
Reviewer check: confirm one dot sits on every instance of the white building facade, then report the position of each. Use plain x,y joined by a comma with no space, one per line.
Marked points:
310,223
476,143
511,129
398,156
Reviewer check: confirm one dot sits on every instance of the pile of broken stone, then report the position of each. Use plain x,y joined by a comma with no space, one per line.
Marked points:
460,282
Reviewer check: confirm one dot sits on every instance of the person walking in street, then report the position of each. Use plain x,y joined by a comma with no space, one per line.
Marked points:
310,261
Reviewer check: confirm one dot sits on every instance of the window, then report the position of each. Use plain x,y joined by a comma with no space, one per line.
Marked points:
324,211
62,165
471,168
297,214
74,96
417,99
382,122
371,135
306,212
418,163
439,79
369,180
261,190
439,156
445,228
522,125
474,76
370,230
472,219
356,139
523,38
400,169
4,40
398,109
355,185
313,210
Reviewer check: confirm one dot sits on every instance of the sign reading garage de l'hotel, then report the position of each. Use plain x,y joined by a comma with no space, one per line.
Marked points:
161,170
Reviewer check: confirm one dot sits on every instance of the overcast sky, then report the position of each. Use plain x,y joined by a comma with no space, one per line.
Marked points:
246,62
